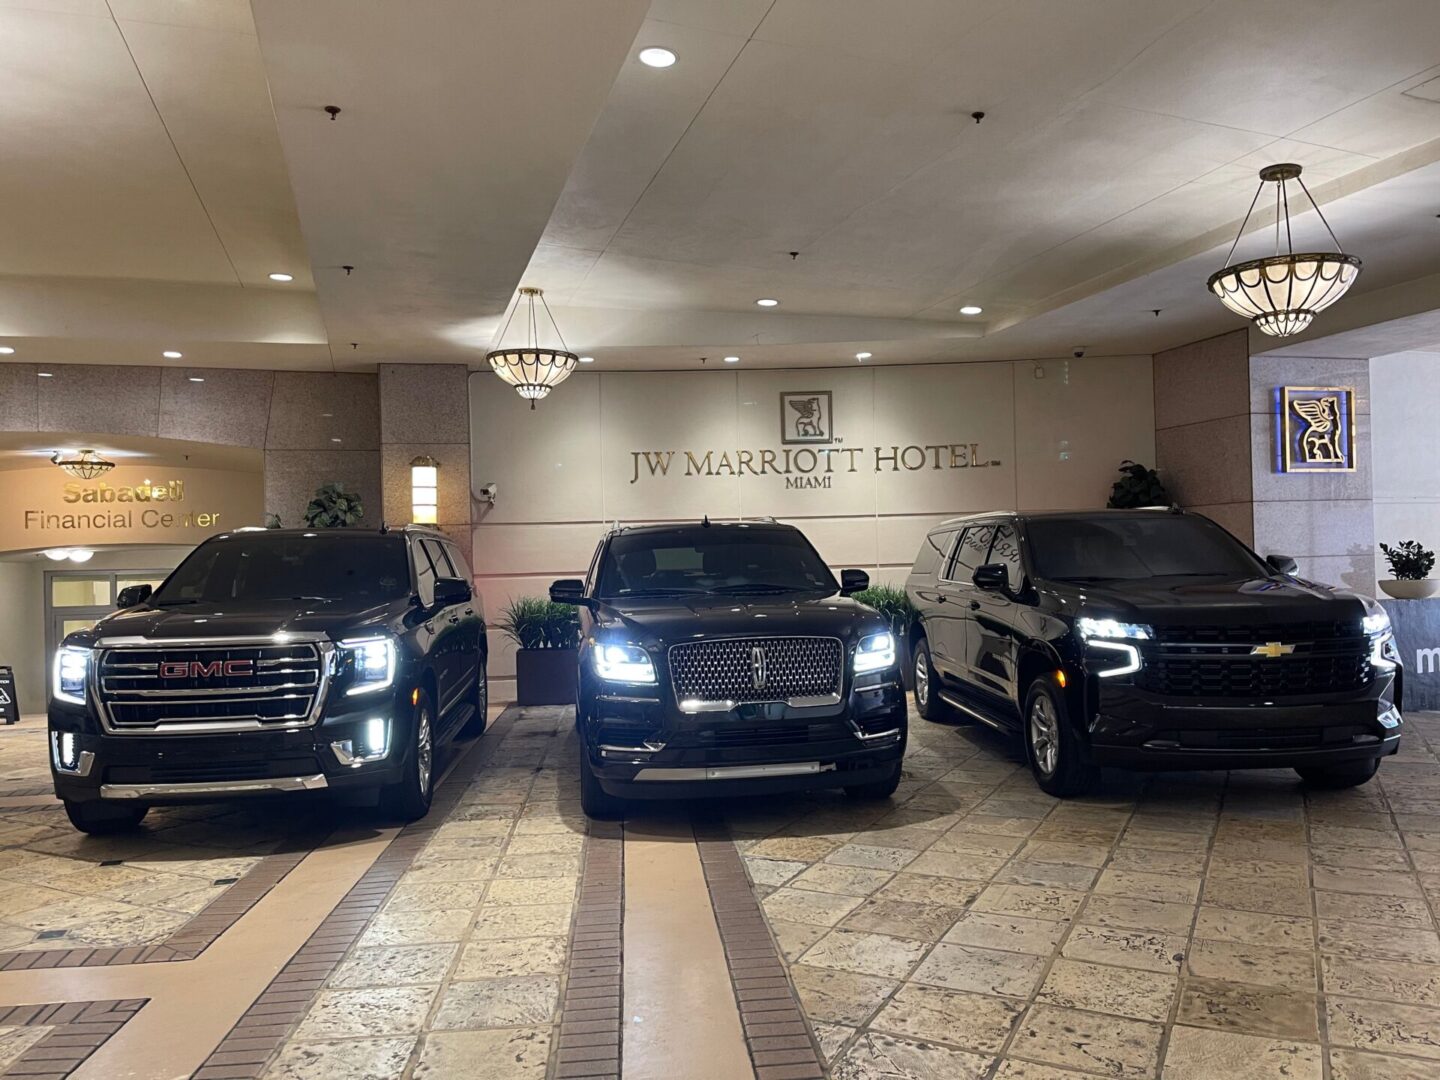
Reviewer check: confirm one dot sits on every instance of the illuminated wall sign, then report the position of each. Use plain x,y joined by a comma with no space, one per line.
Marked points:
1316,428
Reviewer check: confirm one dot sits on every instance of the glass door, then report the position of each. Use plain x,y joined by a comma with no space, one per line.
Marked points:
77,600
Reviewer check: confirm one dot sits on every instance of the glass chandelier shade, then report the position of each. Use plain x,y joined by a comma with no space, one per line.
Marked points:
1281,294
87,465
533,369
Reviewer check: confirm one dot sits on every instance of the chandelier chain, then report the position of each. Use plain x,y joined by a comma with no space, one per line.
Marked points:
1321,213
1241,232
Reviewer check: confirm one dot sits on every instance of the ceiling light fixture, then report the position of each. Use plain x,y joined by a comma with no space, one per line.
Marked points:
766,301
863,356
6,350
971,309
732,359
282,277
533,369
87,465
197,378
171,354
1281,294
657,57
45,374
587,359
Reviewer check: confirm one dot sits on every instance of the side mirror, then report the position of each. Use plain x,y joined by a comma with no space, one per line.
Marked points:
450,591
853,581
568,591
992,577
132,595
1283,563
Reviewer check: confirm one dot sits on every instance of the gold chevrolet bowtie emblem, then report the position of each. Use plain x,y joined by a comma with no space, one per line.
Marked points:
1272,649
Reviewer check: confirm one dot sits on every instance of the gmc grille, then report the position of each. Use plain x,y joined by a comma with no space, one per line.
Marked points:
736,671
141,689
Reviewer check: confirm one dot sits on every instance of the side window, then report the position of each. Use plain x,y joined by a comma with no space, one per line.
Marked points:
934,550
457,562
970,553
440,558
424,572
1006,552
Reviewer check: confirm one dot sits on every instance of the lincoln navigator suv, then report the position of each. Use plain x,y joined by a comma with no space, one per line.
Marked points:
271,661
721,659
1149,639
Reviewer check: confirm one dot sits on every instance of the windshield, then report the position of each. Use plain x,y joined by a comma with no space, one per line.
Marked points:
315,566
712,560
1133,548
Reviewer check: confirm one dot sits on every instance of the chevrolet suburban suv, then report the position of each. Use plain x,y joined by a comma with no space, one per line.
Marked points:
725,659
1149,639
271,661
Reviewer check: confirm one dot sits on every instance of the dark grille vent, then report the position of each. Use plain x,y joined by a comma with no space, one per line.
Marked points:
1288,633
728,669
779,735
1245,676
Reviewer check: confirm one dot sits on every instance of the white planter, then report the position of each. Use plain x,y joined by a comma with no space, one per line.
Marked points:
1410,590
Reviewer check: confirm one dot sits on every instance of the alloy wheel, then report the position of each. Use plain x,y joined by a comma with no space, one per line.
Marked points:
1044,731
922,680
424,751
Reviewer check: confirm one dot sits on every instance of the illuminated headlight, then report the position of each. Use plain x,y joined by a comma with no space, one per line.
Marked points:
371,743
71,667
372,663
623,664
1112,638
875,653
1376,622
1113,629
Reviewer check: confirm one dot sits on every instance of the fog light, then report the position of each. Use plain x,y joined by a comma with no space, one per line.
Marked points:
1390,718
67,756
370,743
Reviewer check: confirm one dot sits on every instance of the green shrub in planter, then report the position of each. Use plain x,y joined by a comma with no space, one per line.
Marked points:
1409,560
1137,487
333,508
534,622
890,602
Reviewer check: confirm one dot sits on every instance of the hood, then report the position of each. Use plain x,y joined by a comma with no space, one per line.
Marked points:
1181,601
333,618
671,619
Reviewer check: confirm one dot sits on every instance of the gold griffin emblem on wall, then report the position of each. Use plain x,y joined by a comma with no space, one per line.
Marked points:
1317,428
1320,441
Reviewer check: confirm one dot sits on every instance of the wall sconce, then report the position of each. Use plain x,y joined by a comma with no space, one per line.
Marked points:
424,490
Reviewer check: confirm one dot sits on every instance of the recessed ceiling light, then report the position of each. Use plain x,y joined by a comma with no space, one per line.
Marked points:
587,359
862,356
171,354
197,378
971,309
334,438
282,277
732,359
765,301
657,57
5,350
45,374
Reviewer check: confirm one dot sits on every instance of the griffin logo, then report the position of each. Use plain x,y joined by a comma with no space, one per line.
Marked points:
196,669
1272,649
1318,429
805,417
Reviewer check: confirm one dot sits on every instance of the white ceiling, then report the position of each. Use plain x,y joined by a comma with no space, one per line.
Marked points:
164,156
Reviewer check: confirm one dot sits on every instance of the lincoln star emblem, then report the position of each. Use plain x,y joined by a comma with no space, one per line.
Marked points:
195,669
758,675
1272,649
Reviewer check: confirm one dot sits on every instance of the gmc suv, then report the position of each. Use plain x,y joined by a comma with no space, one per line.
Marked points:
271,661
721,659
1149,639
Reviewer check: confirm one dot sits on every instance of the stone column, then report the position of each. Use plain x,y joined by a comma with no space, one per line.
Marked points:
322,428
425,409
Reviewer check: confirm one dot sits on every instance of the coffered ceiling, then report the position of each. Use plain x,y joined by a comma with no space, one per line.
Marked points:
166,156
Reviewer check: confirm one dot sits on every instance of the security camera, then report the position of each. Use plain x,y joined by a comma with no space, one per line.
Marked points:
488,493
1078,353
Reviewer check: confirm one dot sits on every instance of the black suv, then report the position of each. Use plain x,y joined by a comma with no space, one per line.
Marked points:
722,659
1150,639
271,661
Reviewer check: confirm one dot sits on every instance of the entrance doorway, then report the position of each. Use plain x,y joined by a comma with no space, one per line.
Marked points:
76,600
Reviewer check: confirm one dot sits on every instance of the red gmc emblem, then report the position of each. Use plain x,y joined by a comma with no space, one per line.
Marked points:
215,669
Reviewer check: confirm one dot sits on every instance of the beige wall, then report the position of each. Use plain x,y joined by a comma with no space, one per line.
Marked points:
22,631
567,467
1405,401
425,409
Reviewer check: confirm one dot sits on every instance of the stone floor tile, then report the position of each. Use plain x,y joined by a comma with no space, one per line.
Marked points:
438,870
1030,901
1126,948
1366,882
1082,1040
1090,855
1390,910
498,959
398,965
872,856
416,927
1240,894
839,997
353,1059
831,1038
923,889
1140,995
1047,874
845,880
1252,1010
956,864
1131,913
1384,1026
1150,861
806,849
1363,939
801,905
1390,980
794,938
1371,838
869,954
1355,1065
1011,1069
1172,888
1205,1054
773,872
874,1056
993,825
506,892
1259,965
541,865
435,895
530,920
986,845
982,971
1253,928
489,1003
357,1014
496,1054
974,1021
15,1040
566,843
902,918
1038,937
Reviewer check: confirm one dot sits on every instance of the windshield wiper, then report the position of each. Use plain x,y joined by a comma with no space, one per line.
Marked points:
760,586
626,594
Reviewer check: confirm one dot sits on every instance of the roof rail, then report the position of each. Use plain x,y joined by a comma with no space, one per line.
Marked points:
963,518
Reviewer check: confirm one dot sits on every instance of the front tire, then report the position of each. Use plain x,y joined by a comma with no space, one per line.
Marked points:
593,798
1351,774
879,789
1058,760
927,685
103,818
409,798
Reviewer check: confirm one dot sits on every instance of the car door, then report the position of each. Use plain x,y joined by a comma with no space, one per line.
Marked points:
442,622
927,592
959,591
472,627
991,642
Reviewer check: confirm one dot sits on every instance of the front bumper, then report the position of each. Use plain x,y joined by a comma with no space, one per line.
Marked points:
639,746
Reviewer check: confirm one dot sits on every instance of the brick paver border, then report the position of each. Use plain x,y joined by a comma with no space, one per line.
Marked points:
78,1029
776,1032
590,1023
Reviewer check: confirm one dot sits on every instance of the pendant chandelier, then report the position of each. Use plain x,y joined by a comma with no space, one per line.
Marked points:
1281,294
87,465
533,369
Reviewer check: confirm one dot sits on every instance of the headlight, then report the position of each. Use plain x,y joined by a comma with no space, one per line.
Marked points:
875,653
623,664
1113,629
1376,622
71,666
1111,638
371,662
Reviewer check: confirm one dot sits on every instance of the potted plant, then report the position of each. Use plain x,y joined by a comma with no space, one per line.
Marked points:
896,607
1137,487
547,635
333,508
1410,563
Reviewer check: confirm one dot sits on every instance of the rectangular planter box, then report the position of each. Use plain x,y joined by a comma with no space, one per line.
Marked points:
546,676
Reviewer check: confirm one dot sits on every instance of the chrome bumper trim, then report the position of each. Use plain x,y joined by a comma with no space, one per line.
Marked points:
735,772
314,782
893,733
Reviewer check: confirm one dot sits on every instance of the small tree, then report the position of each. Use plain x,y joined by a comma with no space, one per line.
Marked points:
333,508
1408,560
1137,486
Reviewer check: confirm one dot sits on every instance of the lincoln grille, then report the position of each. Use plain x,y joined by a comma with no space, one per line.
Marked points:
236,687
750,670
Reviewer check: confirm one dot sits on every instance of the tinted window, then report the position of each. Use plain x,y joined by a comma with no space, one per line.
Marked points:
425,573
439,558
457,562
1006,552
933,551
970,552
714,560
261,566
1130,548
